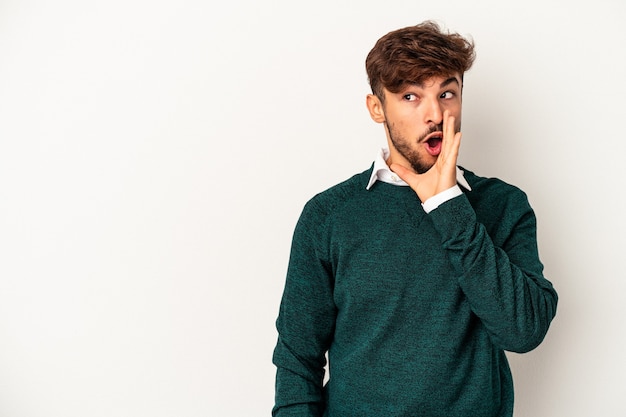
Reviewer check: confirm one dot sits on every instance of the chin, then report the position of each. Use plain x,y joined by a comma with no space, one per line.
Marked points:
421,167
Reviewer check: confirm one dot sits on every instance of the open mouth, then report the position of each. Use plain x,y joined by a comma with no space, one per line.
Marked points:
433,143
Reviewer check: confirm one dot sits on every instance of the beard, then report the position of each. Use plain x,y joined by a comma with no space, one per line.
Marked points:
410,151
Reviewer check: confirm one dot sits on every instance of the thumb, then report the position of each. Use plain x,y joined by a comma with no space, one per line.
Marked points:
406,174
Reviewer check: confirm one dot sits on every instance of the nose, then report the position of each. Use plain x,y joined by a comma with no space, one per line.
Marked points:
434,112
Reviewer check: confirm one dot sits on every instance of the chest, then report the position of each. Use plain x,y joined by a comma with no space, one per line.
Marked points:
392,259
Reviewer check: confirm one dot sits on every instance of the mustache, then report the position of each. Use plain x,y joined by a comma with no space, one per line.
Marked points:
430,130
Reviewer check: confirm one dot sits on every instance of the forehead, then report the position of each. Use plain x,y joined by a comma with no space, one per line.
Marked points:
436,82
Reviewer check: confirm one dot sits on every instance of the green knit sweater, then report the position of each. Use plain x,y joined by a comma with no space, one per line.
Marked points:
415,310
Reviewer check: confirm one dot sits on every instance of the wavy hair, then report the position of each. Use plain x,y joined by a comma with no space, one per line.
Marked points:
413,54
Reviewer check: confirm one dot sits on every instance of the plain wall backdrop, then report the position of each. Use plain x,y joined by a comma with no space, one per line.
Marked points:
155,156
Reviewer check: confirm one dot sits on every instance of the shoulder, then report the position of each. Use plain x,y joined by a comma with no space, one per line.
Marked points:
491,193
318,213
335,197
486,186
503,209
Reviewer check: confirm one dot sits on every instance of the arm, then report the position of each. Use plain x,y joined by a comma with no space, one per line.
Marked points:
305,325
504,283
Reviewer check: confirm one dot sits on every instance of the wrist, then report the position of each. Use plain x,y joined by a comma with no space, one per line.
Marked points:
436,200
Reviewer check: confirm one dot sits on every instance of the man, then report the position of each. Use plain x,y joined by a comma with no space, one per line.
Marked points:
416,275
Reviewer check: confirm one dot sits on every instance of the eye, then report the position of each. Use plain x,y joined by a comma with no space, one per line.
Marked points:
447,95
409,97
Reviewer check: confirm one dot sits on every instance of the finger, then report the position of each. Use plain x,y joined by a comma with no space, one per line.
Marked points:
448,128
451,139
455,145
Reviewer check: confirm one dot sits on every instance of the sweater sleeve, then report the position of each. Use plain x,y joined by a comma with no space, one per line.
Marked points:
305,324
503,283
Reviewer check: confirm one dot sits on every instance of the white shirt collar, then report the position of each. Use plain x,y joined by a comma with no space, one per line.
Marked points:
381,172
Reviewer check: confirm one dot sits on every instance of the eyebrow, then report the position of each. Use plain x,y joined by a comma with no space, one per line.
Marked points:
449,81
443,83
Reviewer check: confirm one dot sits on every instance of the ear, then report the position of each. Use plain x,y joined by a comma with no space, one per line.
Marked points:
375,107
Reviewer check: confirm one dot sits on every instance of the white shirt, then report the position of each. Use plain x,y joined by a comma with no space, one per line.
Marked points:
381,172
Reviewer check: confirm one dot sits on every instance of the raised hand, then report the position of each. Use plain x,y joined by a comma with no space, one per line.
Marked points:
442,175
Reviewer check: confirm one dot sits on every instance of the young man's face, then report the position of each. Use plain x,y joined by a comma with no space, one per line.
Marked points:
414,120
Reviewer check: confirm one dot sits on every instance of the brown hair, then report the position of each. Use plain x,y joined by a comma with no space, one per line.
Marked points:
413,54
